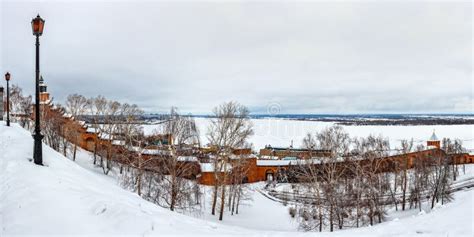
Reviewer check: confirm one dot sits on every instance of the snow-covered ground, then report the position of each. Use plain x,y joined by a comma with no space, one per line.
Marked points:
281,132
65,198
258,212
62,198
261,213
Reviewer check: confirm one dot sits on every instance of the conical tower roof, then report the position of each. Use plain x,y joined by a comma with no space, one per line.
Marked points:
434,137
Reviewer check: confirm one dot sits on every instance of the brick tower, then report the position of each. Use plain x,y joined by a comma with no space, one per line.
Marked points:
44,94
433,141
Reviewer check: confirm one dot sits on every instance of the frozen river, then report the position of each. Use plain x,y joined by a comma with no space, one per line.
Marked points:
281,132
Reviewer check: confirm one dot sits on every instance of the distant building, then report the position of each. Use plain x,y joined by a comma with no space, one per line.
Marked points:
278,153
160,139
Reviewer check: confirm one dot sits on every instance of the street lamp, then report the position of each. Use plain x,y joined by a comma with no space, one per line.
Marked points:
37,25
7,78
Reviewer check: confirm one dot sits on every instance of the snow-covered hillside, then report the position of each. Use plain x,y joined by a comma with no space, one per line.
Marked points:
63,198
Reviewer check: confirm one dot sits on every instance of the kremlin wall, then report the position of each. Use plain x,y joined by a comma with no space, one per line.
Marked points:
270,164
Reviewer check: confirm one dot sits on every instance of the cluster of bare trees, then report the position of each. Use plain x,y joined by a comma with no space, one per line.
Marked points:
118,126
454,147
76,106
177,189
238,191
169,180
20,106
325,181
167,176
58,133
55,129
162,173
155,173
111,121
355,185
430,177
229,129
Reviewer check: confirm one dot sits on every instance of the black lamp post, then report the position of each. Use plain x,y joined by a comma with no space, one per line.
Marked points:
37,25
7,78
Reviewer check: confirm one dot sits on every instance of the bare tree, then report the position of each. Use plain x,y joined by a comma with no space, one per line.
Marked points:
177,190
453,148
406,147
20,106
336,140
179,182
419,179
76,105
52,127
309,174
130,132
97,108
439,180
134,149
163,173
238,178
230,128
374,149
182,129
106,122
326,179
458,149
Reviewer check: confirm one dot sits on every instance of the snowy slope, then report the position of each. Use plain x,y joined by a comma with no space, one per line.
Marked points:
63,198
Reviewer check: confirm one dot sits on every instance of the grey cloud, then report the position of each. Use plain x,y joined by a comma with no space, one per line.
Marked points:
310,57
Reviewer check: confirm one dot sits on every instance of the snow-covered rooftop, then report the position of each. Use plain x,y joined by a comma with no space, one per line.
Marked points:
188,158
209,167
91,130
106,136
315,160
269,157
118,142
67,115
46,102
149,151
249,156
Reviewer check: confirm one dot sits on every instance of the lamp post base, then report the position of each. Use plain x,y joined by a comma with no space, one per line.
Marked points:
38,149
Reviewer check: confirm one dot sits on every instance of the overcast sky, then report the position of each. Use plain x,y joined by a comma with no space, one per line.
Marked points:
306,57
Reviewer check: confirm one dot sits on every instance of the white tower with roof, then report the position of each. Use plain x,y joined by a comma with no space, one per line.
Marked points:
433,142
